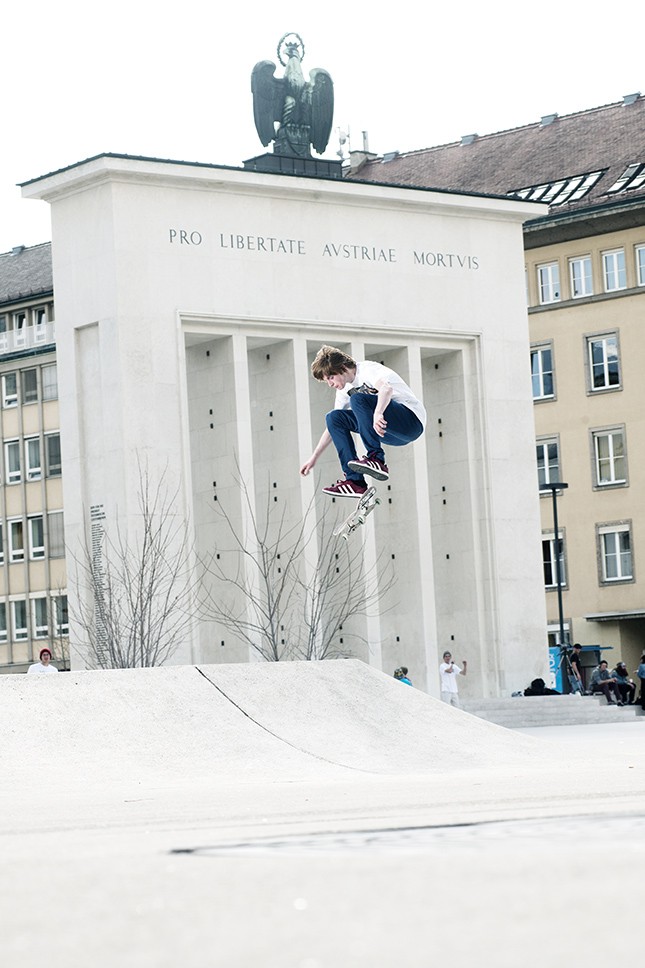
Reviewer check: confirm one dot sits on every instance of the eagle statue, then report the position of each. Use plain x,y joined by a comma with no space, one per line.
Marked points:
302,109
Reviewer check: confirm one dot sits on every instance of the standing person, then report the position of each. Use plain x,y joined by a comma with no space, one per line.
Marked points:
373,401
402,675
641,676
575,680
449,672
44,666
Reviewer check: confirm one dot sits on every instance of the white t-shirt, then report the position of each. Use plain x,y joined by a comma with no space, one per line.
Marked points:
368,373
38,667
449,679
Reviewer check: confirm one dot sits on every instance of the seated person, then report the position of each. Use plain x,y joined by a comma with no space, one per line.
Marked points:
538,688
624,683
602,681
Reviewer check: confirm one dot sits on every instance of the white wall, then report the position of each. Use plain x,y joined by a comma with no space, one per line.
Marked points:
157,329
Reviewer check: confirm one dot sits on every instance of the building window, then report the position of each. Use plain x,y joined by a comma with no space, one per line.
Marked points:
50,382
19,610
542,372
16,541
609,454
581,282
549,562
548,462
1,545
56,534
61,619
640,264
615,553
20,329
29,383
549,283
604,364
12,461
3,622
52,451
39,618
614,270
36,538
9,390
32,458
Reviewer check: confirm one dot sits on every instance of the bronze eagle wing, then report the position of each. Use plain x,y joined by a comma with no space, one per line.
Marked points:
322,108
268,97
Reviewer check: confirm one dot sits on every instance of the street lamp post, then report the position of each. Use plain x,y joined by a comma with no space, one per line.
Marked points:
554,488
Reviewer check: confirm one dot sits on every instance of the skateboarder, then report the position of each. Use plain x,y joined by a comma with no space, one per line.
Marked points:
373,401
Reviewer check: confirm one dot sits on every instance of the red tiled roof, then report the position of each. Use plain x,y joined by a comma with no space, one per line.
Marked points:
606,138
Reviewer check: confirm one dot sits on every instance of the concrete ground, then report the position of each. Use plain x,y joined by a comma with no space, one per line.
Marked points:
307,816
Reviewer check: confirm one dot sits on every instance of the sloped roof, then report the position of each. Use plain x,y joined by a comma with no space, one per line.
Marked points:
606,139
26,272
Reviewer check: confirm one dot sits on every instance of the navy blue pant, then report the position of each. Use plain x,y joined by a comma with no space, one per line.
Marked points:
403,426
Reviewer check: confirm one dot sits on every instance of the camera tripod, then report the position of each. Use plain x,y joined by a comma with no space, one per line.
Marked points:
568,670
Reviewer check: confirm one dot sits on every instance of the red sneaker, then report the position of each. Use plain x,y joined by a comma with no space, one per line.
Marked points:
346,488
370,465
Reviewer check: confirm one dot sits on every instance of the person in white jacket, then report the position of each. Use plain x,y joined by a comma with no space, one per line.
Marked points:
44,666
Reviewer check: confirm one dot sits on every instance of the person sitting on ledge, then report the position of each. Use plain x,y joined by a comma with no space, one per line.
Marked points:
372,401
625,685
402,675
539,688
602,681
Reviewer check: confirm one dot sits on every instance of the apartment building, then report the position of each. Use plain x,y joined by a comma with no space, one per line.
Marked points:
585,285
33,583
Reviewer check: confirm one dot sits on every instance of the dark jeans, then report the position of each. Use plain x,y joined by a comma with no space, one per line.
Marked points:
608,688
627,691
403,426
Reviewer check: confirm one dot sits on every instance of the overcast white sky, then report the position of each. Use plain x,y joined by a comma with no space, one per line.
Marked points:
173,80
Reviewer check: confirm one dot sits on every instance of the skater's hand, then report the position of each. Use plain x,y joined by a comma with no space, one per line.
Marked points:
380,424
304,470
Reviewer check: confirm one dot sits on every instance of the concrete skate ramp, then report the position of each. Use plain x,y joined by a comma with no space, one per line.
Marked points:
287,720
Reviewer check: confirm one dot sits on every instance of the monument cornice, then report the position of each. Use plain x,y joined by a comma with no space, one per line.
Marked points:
125,169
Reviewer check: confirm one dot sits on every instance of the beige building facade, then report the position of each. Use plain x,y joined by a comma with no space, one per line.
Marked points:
33,581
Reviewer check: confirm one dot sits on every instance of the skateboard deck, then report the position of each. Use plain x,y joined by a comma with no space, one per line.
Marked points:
366,504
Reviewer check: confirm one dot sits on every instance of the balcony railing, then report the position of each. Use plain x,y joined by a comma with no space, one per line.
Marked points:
28,337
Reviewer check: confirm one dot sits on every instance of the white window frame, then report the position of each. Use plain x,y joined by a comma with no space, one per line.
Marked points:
548,537
40,631
604,339
12,447
614,271
540,350
23,385
20,323
543,443
624,567
40,324
49,382
9,397
640,264
612,459
16,552
53,470
1,544
20,632
34,471
36,549
50,534
585,285
548,276
61,629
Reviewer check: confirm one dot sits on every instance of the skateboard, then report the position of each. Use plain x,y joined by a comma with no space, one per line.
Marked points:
366,504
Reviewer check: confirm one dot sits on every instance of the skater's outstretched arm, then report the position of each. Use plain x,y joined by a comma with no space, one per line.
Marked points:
322,445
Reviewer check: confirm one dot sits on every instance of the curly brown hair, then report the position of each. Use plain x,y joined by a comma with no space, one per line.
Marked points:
330,361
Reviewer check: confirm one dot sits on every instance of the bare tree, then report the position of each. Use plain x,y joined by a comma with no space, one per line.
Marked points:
134,595
268,598
258,579
341,587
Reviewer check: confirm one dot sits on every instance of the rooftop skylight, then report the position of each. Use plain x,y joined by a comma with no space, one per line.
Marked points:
633,177
561,191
